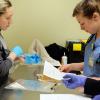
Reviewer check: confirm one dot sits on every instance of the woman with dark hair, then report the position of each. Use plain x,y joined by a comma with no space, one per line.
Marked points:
87,13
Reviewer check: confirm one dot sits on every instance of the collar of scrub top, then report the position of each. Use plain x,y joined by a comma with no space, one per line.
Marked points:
90,38
98,60
93,45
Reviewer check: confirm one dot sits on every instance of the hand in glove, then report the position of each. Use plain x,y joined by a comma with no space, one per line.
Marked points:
17,50
97,97
73,81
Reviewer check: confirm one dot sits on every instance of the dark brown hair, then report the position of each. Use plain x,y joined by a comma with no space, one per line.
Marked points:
87,8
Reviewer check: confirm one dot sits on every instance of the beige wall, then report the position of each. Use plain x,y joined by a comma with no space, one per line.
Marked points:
48,20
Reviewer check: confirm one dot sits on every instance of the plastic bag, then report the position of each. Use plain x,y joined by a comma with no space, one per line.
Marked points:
32,59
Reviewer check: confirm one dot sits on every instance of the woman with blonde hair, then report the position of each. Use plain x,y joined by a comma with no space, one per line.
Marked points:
6,58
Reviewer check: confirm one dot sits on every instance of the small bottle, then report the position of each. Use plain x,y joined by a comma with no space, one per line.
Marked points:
64,59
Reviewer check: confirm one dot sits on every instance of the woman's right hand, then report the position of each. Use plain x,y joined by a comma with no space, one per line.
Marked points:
16,52
13,56
66,68
71,67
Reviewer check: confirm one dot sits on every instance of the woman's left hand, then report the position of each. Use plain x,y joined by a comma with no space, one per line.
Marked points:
21,59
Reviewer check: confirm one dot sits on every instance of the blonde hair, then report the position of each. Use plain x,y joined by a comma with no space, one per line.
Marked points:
3,5
87,8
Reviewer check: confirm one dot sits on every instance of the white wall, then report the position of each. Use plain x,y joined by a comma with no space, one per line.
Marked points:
48,20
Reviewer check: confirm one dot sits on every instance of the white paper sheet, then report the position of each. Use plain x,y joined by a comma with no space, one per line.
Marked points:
53,72
15,85
55,63
32,85
62,97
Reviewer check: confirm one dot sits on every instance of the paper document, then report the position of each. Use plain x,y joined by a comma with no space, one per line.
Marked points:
52,72
55,63
31,85
15,85
62,97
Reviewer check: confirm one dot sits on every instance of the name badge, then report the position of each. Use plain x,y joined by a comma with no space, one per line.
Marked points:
91,62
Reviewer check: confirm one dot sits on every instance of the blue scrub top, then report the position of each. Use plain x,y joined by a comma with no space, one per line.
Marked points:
91,68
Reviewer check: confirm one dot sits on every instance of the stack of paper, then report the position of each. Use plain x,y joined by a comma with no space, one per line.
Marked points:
52,72
62,97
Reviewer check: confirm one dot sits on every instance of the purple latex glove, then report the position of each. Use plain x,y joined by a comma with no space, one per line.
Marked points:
97,97
74,80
